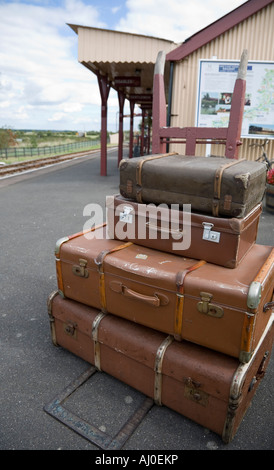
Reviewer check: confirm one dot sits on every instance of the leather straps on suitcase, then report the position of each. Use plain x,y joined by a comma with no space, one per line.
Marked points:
216,184
99,261
180,278
217,189
139,172
156,299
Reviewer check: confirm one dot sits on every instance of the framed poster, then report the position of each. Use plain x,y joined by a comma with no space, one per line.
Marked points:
215,87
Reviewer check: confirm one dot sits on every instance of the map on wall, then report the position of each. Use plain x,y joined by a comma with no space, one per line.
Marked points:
215,87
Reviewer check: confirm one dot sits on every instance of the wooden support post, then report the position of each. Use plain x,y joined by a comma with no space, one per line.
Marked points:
148,138
142,133
132,104
121,99
104,87
159,104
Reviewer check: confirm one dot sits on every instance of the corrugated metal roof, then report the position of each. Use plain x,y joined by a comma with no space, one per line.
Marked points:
116,53
219,27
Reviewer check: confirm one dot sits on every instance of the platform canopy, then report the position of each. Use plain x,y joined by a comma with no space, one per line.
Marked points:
124,62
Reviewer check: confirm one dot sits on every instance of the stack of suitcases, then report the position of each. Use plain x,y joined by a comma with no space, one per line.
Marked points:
176,304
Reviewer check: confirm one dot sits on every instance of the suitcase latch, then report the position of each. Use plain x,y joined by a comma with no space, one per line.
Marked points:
80,270
205,306
193,392
70,329
209,234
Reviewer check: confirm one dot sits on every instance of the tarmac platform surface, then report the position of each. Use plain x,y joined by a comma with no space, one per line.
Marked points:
38,208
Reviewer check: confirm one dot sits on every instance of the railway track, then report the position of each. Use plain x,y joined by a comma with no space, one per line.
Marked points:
15,168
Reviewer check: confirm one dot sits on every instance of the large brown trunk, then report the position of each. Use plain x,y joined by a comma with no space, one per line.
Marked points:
190,299
207,387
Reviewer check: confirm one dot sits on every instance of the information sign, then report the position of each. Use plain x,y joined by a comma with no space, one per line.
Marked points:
215,87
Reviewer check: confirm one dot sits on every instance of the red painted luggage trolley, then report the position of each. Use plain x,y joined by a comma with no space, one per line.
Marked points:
230,136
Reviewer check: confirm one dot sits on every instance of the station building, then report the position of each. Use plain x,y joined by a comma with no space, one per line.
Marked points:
126,62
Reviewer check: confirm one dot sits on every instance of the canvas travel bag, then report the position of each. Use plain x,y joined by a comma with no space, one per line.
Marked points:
223,309
214,185
210,388
219,240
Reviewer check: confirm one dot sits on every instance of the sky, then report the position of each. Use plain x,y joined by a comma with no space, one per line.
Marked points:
42,84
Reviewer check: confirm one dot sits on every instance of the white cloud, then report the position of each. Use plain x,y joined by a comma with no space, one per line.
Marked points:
41,81
57,117
174,20
115,9
39,64
73,107
21,113
4,104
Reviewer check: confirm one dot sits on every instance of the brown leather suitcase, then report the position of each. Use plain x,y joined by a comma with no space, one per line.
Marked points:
205,386
223,309
218,240
214,185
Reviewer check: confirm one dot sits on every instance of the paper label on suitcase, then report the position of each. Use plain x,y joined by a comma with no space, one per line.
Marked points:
126,215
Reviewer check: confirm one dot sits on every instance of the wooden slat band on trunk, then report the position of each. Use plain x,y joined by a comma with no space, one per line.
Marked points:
51,317
94,335
217,185
158,369
180,297
99,261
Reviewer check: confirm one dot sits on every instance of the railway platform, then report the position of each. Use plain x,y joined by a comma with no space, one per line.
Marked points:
38,208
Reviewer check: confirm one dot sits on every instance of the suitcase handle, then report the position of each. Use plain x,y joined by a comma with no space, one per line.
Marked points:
155,300
176,234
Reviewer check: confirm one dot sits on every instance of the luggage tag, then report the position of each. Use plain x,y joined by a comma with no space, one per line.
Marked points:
125,216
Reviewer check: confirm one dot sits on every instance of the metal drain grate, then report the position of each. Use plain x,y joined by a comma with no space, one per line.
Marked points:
101,439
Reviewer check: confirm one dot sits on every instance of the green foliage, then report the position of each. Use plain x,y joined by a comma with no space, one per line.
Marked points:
33,140
7,138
